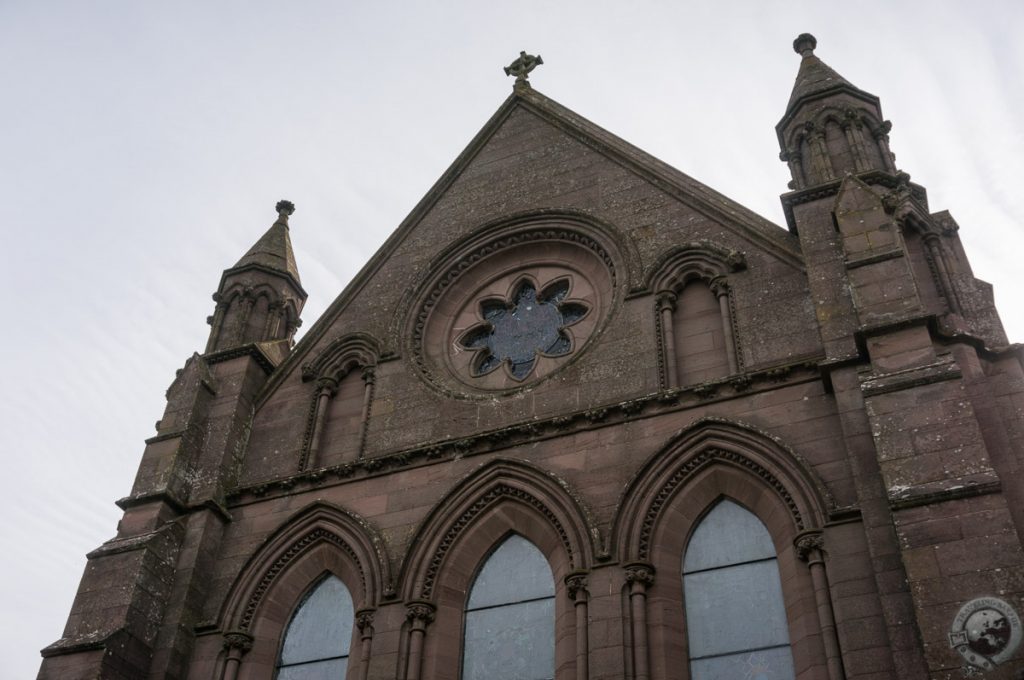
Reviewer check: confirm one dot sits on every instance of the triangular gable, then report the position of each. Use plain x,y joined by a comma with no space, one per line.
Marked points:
689,192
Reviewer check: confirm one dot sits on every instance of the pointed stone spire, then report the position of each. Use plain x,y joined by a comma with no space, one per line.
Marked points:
814,76
274,249
831,128
259,299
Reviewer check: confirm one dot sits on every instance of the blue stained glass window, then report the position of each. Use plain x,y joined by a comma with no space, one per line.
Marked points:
510,616
735,617
316,642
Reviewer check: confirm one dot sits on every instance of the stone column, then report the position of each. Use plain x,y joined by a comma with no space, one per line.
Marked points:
216,322
720,287
369,379
236,644
881,135
246,302
931,242
639,577
364,622
576,586
275,316
793,159
666,301
326,388
821,162
810,546
420,615
855,140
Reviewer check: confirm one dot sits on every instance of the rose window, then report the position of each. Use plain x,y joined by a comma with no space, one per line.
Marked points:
514,332
513,308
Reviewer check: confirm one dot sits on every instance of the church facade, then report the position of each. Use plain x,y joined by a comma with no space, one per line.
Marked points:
582,417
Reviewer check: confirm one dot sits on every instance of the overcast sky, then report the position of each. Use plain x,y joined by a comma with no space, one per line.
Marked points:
143,146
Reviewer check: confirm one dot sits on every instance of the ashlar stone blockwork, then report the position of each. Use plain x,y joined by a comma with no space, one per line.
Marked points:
570,346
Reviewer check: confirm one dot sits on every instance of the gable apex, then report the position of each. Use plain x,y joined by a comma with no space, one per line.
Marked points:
660,175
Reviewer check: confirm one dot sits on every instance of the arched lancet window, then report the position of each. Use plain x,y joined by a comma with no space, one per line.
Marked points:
316,642
510,616
735,617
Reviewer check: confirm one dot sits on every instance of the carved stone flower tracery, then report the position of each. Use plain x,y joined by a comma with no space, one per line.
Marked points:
514,332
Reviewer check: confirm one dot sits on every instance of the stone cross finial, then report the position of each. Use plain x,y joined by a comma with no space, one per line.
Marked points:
521,67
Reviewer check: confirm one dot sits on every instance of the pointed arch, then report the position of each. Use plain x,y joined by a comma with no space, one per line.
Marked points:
249,291
344,540
502,498
732,593
501,482
713,460
762,460
244,314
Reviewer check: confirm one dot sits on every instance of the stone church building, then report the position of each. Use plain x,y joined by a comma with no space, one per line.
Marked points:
582,417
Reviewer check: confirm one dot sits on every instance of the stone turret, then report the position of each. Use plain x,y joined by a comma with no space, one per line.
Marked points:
909,335
831,128
259,299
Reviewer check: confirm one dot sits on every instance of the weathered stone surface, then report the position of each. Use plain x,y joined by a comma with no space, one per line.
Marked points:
845,380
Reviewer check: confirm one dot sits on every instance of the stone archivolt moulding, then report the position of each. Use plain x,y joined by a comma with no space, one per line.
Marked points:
502,481
707,442
490,267
316,525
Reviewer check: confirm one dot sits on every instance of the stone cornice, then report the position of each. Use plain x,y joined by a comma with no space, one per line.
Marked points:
175,504
651,405
80,643
251,350
829,189
944,369
266,270
918,496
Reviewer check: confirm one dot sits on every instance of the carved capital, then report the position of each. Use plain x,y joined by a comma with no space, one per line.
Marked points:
895,200
641,573
719,286
809,542
327,386
947,224
237,640
364,620
369,374
420,613
576,584
666,299
851,118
